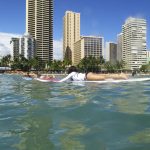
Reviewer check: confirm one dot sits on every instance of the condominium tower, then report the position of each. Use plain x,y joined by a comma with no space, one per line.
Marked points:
15,47
119,46
71,33
27,46
134,43
23,45
39,24
111,52
88,46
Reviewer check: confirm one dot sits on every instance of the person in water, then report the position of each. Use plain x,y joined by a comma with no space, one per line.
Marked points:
74,75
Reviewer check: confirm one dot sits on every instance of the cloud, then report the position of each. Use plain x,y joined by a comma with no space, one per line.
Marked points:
5,46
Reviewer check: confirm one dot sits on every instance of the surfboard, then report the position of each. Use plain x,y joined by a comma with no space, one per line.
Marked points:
118,81
104,81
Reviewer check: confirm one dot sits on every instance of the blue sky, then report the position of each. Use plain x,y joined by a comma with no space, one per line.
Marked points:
98,17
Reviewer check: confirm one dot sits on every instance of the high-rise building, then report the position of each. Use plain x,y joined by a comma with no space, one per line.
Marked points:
111,52
107,51
88,46
15,47
148,56
119,46
24,46
134,43
71,33
39,24
27,46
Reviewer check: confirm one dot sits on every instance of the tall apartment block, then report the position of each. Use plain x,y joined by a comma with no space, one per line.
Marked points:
88,46
24,46
39,24
15,47
27,46
134,42
71,33
111,52
119,46
148,56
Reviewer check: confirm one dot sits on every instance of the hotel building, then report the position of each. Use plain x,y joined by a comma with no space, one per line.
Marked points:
24,46
39,24
71,34
88,46
27,46
119,46
15,47
148,56
134,43
111,52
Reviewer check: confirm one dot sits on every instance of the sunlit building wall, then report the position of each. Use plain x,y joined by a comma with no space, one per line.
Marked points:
134,42
39,24
27,46
88,46
71,33
148,56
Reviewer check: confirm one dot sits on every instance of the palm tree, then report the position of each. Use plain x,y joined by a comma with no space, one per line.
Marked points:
119,65
109,67
6,60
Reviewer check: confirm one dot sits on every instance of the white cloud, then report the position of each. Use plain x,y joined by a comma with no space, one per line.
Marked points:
5,46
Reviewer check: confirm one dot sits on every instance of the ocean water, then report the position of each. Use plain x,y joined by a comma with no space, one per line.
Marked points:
69,116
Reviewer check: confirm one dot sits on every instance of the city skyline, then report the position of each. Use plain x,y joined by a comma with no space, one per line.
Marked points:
101,18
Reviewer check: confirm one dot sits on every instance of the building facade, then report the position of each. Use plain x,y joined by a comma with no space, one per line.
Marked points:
24,46
111,52
39,24
88,46
148,56
119,46
71,33
134,43
27,46
15,47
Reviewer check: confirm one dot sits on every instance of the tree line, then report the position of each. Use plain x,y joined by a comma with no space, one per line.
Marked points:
86,64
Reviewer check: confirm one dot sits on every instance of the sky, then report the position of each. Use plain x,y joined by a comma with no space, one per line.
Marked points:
98,17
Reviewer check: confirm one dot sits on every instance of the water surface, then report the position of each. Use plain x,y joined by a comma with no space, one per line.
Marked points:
69,116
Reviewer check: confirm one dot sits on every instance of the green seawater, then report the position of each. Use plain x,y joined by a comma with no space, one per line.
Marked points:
71,116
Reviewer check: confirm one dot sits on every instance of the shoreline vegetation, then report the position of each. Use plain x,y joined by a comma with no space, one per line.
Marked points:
34,74
35,67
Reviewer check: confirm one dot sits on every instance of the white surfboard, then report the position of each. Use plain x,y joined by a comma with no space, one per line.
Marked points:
104,81
118,81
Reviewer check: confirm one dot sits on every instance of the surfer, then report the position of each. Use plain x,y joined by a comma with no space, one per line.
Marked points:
74,75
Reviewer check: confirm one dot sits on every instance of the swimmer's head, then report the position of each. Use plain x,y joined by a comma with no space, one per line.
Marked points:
72,69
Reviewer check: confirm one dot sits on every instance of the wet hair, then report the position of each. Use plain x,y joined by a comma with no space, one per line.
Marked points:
72,69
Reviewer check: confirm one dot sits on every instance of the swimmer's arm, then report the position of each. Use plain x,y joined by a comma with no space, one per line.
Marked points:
68,77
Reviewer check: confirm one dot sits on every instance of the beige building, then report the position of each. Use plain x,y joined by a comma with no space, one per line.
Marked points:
88,46
134,43
71,33
39,24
